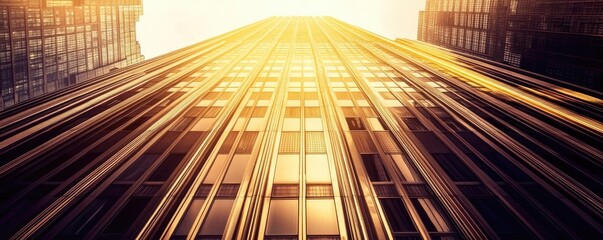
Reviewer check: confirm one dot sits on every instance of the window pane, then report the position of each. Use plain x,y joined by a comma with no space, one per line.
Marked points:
363,142
215,169
287,169
374,168
313,124
289,142
433,219
375,124
282,218
237,169
397,216
291,124
247,142
317,169
127,216
454,167
315,142
322,218
167,167
216,220
189,217
407,171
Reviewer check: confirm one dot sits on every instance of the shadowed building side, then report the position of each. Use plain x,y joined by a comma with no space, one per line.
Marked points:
556,38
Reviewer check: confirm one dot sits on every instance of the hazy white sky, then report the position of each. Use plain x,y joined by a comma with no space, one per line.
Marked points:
170,25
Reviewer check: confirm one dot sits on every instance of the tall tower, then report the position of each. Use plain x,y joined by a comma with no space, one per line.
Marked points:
48,45
556,38
303,128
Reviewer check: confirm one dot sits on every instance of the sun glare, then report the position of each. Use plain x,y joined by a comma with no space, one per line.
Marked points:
170,25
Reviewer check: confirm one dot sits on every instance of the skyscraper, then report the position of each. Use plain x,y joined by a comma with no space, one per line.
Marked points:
556,38
304,128
47,45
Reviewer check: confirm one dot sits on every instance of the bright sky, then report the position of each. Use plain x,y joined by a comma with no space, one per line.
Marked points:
174,24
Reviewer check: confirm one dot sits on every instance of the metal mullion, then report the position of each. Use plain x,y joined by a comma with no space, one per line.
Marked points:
490,183
516,185
204,210
256,217
442,187
555,175
106,153
495,188
12,164
530,81
231,225
213,133
526,116
330,145
302,225
51,211
380,230
167,128
388,163
501,193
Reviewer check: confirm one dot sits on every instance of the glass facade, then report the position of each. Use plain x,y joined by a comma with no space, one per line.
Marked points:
48,45
300,128
556,38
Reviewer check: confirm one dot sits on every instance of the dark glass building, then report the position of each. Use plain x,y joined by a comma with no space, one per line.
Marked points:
47,45
557,38
304,128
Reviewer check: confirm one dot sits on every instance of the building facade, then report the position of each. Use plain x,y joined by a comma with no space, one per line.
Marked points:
556,38
302,128
47,45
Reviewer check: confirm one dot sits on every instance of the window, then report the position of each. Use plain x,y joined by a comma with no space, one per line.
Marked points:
229,142
138,168
355,123
124,219
216,219
319,190
313,124
215,169
236,169
315,142
387,142
363,142
374,168
289,142
431,216
282,217
455,168
287,169
167,167
312,112
189,217
321,217
292,112
414,124
396,215
247,142
317,169
291,124
285,191
186,143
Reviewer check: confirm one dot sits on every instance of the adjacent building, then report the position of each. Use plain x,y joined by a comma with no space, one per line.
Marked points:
557,38
47,45
303,128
